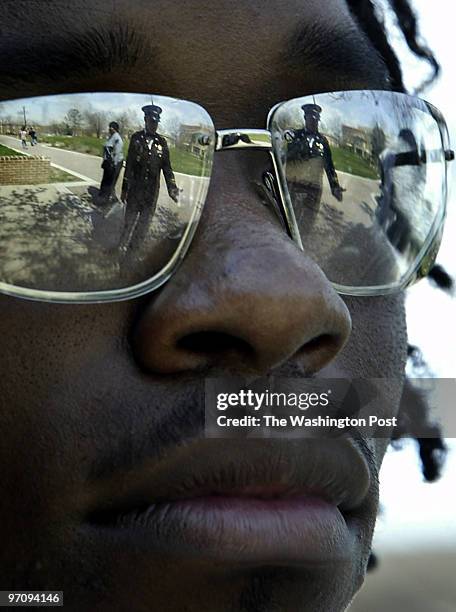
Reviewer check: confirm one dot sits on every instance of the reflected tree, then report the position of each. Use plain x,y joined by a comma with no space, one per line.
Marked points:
378,140
74,120
96,122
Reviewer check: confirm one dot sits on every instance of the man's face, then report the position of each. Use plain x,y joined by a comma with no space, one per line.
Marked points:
151,124
311,121
101,405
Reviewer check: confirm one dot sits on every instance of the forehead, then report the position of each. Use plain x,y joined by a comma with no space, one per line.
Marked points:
235,57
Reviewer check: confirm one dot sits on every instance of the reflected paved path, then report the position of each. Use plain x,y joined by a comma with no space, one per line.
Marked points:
88,166
359,190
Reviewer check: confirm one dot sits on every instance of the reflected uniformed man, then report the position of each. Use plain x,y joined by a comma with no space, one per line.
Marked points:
308,157
148,156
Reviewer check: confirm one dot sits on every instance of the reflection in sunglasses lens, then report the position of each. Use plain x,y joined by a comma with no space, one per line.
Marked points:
365,176
98,191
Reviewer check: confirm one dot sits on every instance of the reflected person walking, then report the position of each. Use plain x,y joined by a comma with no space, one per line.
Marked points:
23,136
112,162
148,155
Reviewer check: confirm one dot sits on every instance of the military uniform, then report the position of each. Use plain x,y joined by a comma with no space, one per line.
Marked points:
308,156
148,155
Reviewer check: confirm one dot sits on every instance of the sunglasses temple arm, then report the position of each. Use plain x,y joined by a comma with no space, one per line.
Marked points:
414,158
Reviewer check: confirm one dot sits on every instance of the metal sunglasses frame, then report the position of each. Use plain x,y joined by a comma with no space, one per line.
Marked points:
274,192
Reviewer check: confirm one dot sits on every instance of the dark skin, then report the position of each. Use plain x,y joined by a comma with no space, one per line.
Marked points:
80,383
311,123
151,125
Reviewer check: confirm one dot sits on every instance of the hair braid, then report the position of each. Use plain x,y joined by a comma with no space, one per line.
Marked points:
367,19
409,28
414,412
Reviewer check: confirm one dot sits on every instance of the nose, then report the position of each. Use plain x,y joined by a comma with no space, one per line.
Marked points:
245,300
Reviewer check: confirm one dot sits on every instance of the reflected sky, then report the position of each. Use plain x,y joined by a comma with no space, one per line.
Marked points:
46,110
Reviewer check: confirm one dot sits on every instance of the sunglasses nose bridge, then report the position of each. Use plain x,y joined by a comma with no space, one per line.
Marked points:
270,189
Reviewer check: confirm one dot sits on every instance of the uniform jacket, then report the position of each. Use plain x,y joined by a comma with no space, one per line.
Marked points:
314,148
145,159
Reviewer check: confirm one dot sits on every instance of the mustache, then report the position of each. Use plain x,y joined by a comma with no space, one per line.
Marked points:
151,426
168,408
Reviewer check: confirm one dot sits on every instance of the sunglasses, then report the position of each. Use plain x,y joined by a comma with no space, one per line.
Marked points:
101,193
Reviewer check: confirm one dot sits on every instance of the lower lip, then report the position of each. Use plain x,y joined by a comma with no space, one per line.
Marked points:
297,530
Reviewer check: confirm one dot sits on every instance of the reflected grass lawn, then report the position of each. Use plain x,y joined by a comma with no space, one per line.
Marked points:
81,144
60,176
187,163
347,161
6,151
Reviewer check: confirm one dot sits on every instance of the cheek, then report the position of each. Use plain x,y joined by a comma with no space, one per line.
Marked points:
45,353
377,347
54,410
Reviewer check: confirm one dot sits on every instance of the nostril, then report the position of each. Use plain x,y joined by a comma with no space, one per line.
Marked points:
321,343
214,343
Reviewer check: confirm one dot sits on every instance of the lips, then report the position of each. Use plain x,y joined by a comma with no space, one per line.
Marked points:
255,501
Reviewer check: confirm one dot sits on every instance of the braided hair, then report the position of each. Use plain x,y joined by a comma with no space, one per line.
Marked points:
370,22
414,419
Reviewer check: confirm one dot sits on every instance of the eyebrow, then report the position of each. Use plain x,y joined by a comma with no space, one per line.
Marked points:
104,47
99,49
338,49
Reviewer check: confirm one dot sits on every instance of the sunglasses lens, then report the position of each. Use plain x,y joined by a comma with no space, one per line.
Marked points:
364,174
99,191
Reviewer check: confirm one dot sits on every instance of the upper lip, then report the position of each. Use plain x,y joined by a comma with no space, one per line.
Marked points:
333,469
